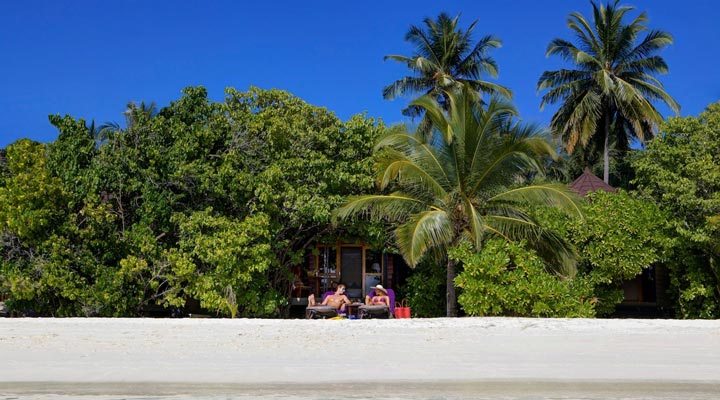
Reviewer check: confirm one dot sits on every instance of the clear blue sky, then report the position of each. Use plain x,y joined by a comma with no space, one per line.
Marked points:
89,58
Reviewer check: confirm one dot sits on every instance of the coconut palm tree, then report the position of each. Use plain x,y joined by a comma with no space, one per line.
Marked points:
445,57
132,113
612,87
466,183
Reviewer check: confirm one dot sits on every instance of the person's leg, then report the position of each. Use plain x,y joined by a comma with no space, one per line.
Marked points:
311,299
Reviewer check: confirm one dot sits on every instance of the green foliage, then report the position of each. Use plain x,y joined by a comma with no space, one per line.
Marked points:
425,289
505,278
621,235
71,155
223,264
445,58
31,199
201,201
680,169
467,181
212,202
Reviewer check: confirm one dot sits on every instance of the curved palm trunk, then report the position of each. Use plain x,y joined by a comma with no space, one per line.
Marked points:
606,150
451,298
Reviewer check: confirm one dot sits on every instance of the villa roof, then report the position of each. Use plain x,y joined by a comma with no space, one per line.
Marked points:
588,182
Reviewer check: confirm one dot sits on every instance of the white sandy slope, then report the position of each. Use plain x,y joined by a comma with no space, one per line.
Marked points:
246,351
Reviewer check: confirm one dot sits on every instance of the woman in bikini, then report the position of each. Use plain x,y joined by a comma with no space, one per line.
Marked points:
379,298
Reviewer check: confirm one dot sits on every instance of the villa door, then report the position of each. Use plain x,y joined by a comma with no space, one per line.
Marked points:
351,259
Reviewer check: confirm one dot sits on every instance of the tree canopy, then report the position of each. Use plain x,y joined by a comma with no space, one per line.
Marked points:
680,169
207,202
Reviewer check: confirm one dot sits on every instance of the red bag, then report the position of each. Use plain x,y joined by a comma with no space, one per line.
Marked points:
402,310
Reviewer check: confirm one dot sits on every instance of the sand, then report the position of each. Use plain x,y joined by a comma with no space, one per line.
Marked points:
257,352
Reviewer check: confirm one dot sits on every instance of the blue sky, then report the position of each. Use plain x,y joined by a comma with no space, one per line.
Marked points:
89,58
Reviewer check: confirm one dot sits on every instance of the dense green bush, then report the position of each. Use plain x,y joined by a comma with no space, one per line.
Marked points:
619,236
507,279
202,202
680,169
425,289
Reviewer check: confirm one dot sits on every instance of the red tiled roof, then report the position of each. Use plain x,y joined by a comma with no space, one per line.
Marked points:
588,182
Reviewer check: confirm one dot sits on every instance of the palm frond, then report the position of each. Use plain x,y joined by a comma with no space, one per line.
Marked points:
394,207
550,79
654,41
476,62
434,111
584,32
502,162
559,255
400,58
656,92
489,88
577,119
554,195
409,173
423,231
405,85
423,46
649,65
408,143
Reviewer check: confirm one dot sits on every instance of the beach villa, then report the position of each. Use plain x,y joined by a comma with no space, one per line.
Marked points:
357,265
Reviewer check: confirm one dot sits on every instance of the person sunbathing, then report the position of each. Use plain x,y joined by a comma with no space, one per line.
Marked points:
337,300
379,298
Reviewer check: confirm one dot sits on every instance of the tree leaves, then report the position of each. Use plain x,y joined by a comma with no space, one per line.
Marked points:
200,201
680,170
613,83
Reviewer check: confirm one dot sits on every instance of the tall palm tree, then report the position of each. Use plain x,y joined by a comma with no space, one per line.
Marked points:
611,90
142,110
445,57
131,113
465,183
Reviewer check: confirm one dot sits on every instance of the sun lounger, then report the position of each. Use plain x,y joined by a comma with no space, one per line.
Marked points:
313,312
367,311
378,311
320,311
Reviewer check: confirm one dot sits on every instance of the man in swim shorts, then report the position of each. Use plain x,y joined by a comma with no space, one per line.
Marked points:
337,300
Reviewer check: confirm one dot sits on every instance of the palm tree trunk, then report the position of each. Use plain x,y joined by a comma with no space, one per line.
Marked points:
606,150
451,299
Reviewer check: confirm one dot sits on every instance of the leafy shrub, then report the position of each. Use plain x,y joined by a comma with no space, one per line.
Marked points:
680,169
425,289
508,279
620,236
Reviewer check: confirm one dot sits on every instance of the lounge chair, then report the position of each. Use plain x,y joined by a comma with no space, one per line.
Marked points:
366,311
313,312
320,311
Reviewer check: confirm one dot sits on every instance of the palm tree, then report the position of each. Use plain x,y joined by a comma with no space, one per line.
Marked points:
445,57
135,111
132,113
611,89
465,183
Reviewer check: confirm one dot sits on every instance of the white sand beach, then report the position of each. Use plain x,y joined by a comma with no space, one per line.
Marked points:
301,351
